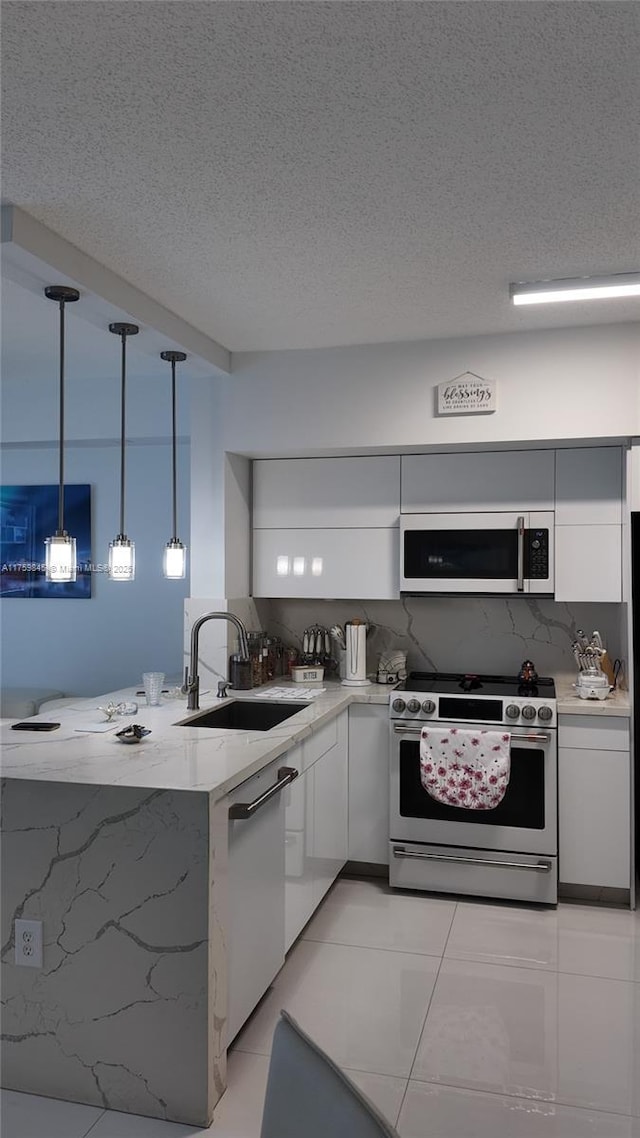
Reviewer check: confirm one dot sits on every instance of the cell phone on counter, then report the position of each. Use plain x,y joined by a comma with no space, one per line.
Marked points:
26,725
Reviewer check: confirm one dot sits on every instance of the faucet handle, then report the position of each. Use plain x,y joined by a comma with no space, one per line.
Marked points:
223,687
185,687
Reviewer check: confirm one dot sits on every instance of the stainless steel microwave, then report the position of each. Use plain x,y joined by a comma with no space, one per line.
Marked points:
507,553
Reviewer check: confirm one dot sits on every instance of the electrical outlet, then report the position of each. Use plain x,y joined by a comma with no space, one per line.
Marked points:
28,937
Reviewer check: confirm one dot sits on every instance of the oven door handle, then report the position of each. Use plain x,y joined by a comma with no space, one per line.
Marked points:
400,729
529,739
538,867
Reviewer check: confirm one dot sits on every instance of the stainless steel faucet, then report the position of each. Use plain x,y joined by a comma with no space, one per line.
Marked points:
191,685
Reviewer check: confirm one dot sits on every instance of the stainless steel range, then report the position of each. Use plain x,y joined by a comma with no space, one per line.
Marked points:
510,851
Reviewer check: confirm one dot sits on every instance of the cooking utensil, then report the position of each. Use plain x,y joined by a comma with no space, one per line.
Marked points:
582,640
596,640
337,633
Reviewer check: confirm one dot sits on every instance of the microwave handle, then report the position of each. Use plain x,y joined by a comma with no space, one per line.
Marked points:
521,532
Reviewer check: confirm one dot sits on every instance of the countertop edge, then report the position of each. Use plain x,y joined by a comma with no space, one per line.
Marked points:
100,763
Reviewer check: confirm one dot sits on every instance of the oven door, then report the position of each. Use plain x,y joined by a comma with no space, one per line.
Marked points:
477,553
525,821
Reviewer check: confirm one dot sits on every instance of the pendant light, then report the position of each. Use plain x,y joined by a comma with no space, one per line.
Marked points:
122,552
175,553
60,549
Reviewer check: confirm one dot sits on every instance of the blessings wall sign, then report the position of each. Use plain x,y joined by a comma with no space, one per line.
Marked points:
467,394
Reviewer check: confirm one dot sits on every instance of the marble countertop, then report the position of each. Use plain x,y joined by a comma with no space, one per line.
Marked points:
569,703
209,760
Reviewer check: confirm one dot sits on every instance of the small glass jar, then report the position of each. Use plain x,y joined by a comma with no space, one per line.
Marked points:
240,675
270,657
255,642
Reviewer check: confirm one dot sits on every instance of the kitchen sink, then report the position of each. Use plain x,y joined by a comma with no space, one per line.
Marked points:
244,715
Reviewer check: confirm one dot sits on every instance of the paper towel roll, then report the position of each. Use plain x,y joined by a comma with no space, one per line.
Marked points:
356,659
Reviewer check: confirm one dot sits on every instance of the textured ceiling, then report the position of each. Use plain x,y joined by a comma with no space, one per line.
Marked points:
305,174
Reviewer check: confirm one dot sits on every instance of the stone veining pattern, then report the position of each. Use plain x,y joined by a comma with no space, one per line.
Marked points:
120,879
453,634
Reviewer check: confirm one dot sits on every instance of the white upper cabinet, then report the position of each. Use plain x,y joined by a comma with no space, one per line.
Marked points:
588,563
589,486
305,493
589,524
360,564
487,480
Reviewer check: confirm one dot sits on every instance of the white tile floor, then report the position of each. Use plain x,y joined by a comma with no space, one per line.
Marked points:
458,1020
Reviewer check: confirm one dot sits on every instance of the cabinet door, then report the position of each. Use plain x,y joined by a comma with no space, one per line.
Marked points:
588,563
330,792
487,480
330,493
336,563
298,856
594,801
589,486
369,783
256,896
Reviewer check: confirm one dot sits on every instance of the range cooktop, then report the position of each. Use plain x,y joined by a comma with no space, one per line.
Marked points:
453,683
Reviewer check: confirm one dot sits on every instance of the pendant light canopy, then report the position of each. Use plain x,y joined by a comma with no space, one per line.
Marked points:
122,552
60,549
175,553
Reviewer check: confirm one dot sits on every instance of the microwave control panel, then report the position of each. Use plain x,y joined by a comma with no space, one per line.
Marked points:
537,561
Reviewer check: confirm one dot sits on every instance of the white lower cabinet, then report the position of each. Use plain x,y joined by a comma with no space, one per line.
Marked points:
316,824
594,801
256,897
369,783
330,808
298,858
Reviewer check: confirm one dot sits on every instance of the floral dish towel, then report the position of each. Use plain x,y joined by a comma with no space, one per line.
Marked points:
468,769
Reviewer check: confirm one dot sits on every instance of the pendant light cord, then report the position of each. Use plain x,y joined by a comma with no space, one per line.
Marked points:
61,427
174,461
123,373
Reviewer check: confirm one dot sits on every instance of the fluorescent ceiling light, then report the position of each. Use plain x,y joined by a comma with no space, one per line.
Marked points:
579,288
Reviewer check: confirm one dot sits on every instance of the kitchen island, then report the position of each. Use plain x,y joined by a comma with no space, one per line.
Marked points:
122,853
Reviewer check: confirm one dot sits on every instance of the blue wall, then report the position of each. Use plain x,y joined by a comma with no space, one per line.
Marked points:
93,646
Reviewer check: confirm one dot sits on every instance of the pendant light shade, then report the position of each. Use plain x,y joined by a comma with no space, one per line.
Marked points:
122,552
60,549
175,553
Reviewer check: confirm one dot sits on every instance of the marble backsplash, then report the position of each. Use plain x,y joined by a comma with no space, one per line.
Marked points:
452,634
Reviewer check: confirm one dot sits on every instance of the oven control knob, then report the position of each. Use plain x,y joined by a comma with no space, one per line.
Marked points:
512,711
428,706
545,713
528,711
398,705
413,705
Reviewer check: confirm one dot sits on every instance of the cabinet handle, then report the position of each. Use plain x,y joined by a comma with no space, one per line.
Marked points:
538,867
248,809
521,555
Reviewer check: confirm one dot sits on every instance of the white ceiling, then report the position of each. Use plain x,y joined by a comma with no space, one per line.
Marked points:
288,175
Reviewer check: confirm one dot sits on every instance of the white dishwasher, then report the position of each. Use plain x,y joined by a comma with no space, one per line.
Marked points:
256,888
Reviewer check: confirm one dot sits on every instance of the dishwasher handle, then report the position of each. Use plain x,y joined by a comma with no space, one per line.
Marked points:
286,775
